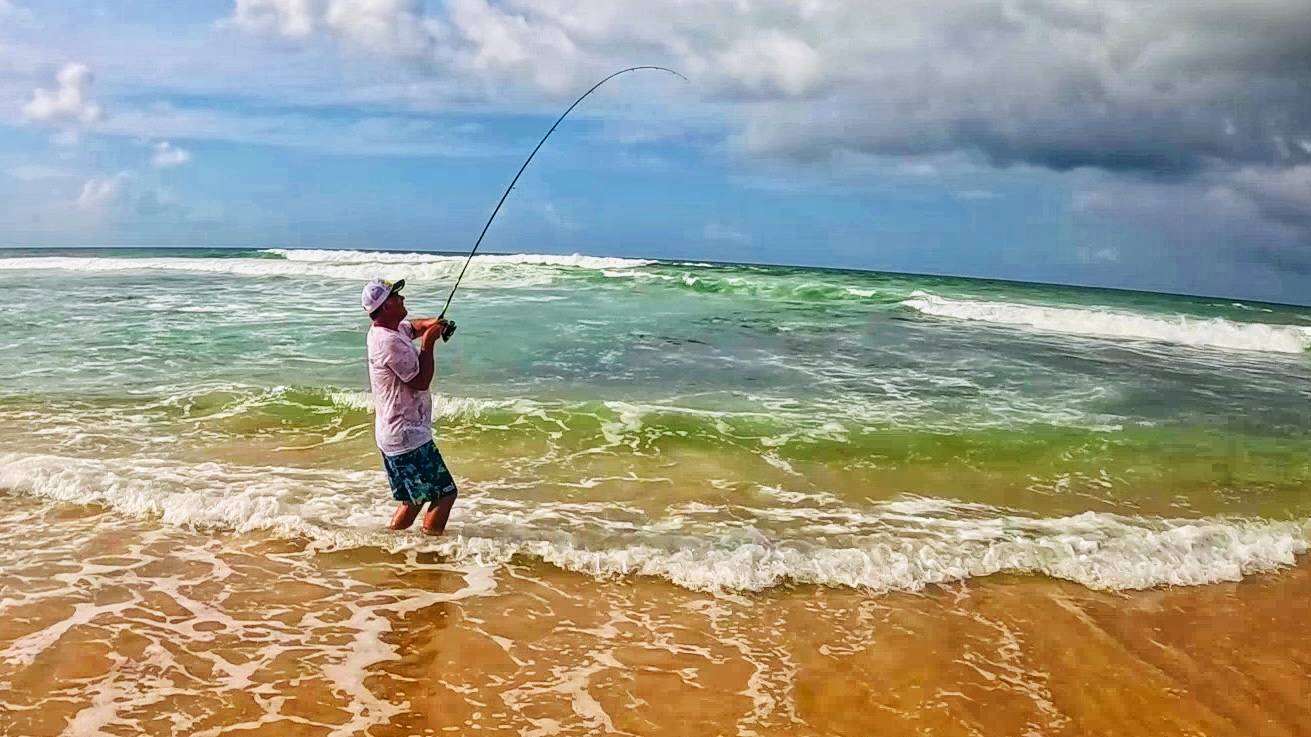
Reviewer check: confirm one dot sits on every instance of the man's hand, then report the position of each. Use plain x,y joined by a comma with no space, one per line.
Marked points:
432,335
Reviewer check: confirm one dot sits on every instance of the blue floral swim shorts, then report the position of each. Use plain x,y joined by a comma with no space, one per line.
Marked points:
419,475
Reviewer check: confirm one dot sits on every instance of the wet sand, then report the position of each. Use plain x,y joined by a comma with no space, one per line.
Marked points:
110,625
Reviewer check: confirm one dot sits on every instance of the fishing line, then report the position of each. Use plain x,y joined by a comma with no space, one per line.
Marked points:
450,326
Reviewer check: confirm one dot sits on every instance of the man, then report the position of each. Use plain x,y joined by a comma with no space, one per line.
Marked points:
400,376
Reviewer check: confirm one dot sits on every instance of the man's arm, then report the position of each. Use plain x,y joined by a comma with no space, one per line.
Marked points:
427,362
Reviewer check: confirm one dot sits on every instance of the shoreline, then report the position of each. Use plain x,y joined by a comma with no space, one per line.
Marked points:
402,644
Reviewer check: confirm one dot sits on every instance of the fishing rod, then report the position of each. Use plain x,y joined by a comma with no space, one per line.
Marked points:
449,330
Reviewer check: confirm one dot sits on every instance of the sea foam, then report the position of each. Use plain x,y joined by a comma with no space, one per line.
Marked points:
902,545
512,270
540,259
1177,329
443,406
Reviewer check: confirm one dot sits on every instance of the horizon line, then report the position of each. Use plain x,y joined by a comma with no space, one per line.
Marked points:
712,262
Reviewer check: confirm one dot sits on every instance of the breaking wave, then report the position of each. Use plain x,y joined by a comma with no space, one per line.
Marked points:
901,545
502,270
576,260
1178,329
790,288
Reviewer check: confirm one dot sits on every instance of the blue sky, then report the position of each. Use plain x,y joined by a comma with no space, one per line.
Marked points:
1108,142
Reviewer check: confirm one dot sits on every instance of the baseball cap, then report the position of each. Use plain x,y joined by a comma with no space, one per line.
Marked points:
377,291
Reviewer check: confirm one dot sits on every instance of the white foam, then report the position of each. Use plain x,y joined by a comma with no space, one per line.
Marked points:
501,270
443,406
217,645
233,266
539,259
1178,329
902,545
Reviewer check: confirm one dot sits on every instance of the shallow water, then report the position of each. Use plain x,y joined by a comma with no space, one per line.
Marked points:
125,627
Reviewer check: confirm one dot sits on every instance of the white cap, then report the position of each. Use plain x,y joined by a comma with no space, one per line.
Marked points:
377,291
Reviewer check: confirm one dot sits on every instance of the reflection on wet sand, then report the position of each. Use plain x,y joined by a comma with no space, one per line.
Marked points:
117,626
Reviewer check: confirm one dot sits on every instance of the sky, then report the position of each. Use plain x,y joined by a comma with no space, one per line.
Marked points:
1148,144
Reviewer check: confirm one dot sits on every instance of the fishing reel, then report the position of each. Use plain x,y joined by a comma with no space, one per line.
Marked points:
448,329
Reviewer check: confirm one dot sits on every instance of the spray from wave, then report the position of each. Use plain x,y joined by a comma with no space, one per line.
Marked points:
1179,329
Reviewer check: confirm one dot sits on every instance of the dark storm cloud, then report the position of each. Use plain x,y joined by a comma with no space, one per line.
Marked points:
1135,87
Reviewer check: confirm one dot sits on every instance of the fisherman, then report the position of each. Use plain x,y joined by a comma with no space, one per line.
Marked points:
400,377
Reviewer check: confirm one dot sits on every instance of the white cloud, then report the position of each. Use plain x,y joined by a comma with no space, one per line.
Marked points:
486,40
69,102
167,155
1060,84
125,197
721,232
291,18
771,64
1120,85
389,26
99,193
393,27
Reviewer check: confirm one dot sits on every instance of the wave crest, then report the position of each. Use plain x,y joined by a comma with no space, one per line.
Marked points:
575,260
1178,329
900,545
518,270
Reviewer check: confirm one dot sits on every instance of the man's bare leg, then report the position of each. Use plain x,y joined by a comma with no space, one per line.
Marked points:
434,522
405,516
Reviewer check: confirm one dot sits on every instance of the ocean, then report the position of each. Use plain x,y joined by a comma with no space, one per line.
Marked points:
695,499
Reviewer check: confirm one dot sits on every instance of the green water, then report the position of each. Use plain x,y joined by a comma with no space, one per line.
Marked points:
690,399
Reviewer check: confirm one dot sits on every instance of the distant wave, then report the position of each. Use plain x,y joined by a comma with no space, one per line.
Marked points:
501,270
1179,329
901,545
355,257
719,280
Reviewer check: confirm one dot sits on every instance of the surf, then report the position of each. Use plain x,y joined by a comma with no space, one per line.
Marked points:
1183,330
900,545
502,271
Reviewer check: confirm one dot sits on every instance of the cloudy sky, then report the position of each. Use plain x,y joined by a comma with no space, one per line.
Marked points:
1152,144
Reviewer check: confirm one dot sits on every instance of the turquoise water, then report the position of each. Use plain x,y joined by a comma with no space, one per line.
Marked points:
720,425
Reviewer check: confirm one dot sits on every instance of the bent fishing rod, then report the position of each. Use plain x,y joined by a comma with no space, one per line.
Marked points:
449,329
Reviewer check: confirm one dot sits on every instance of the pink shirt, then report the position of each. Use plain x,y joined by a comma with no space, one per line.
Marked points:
403,418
